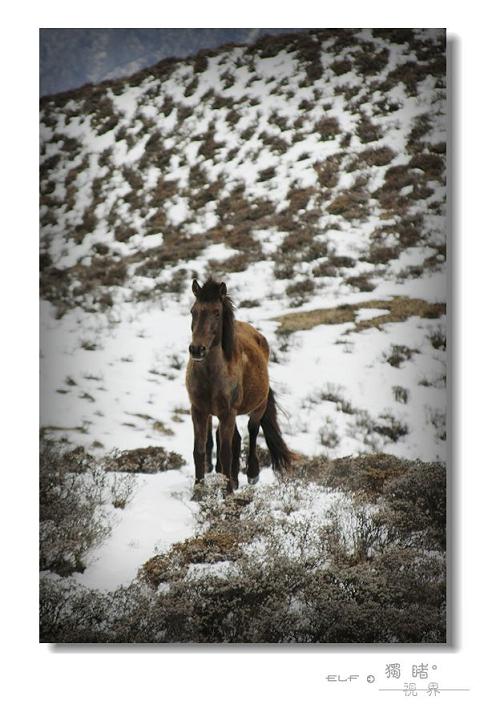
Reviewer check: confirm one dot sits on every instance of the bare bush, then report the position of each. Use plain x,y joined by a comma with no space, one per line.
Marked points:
259,573
72,517
145,460
122,488
328,435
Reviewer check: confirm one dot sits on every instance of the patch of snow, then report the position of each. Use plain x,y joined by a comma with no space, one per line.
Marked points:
369,313
222,570
219,252
160,508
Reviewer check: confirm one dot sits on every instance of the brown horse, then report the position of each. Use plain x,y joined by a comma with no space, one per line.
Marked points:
227,376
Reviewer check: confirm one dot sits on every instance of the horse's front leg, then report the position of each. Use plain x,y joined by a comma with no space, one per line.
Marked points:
209,445
226,430
200,427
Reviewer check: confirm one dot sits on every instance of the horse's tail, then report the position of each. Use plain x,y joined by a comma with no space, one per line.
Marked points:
281,455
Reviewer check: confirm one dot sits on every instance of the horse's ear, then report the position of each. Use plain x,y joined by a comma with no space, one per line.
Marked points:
222,290
196,288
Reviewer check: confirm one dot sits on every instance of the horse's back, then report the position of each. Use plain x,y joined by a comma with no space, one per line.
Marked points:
249,337
254,358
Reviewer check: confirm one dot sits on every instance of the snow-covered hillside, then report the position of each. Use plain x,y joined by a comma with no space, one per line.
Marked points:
307,171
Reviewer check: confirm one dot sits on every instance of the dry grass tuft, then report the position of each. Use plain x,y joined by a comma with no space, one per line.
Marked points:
400,309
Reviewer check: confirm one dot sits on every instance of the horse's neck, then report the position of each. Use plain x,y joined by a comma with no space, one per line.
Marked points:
233,342
215,364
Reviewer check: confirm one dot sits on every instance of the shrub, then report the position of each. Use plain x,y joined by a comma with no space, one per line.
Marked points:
191,87
122,489
438,419
369,61
299,291
423,487
327,128
267,174
341,67
258,573
390,427
146,460
400,394
373,431
438,339
380,156
381,254
71,508
200,63
353,203
367,130
399,354
328,435
361,282
328,171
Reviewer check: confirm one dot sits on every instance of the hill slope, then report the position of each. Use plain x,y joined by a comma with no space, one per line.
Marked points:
308,171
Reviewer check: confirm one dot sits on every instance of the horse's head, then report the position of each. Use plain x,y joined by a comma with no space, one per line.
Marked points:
208,313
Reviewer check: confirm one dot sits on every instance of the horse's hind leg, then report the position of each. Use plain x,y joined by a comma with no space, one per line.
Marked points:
236,442
218,465
253,462
209,446
254,425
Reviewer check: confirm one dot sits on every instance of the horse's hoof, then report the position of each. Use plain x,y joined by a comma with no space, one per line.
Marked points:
253,480
197,491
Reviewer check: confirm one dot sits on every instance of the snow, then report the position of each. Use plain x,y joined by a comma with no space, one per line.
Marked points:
222,569
160,514
149,241
219,252
369,313
133,379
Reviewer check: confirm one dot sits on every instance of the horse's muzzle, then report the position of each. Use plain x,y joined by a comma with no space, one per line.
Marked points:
197,352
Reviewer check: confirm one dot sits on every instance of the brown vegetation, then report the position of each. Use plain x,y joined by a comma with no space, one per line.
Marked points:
384,582
400,309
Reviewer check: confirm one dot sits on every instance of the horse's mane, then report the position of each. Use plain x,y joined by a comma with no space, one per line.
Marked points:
210,293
